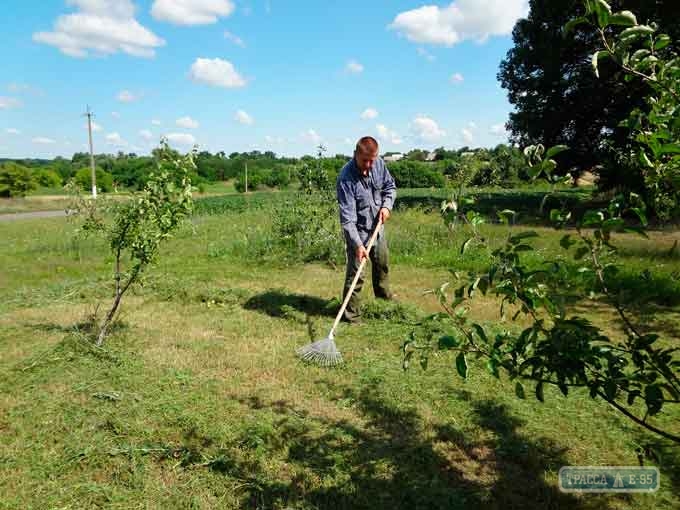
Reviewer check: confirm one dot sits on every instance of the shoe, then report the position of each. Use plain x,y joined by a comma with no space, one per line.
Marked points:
353,320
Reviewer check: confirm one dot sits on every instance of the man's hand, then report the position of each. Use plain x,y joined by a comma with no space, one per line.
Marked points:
384,215
362,253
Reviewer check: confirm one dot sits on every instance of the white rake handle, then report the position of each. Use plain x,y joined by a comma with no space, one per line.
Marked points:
371,242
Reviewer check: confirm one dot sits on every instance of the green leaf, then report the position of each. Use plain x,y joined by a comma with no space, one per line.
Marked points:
566,242
549,166
636,31
661,42
555,215
581,252
481,333
534,171
519,390
592,218
670,148
644,159
554,151
466,245
492,365
572,24
539,392
610,389
523,235
653,399
596,60
623,18
603,11
639,55
461,365
640,213
448,342
505,215
645,341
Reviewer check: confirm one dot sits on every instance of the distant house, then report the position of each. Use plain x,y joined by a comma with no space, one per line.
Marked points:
431,156
391,158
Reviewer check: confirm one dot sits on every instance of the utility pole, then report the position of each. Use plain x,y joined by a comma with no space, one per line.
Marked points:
246,177
89,116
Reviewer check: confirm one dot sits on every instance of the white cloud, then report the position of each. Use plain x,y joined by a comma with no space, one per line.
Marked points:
12,131
426,55
187,123
21,88
41,140
9,102
498,130
183,139
216,72
244,118
156,122
234,38
191,12
115,140
102,26
467,135
369,114
311,136
457,78
115,115
125,96
427,129
472,125
461,20
146,135
274,139
354,67
387,135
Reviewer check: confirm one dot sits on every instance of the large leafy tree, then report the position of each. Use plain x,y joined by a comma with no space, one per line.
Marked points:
557,97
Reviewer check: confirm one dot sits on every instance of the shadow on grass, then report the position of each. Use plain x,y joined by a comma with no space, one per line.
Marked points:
394,462
278,303
87,327
646,288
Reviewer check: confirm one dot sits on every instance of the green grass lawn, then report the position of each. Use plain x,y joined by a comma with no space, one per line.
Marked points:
197,399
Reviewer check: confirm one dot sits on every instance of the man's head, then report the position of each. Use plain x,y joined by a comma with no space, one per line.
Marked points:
366,153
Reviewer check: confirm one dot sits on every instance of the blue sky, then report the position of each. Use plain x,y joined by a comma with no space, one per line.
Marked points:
238,75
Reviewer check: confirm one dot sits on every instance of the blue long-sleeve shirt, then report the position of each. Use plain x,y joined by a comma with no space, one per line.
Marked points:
361,198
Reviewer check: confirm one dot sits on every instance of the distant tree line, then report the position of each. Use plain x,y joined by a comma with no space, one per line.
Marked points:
502,165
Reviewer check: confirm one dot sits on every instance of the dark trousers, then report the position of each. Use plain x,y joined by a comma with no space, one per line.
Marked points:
379,256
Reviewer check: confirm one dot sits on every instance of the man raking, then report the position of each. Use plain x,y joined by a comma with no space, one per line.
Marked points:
366,193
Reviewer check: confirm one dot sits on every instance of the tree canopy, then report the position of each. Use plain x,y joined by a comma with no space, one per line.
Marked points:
557,97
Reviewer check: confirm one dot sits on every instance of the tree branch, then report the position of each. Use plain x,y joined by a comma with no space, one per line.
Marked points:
651,428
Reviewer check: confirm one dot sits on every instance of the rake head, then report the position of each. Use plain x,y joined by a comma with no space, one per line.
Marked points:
323,352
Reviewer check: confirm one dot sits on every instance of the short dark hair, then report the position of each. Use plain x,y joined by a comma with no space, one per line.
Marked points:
367,144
